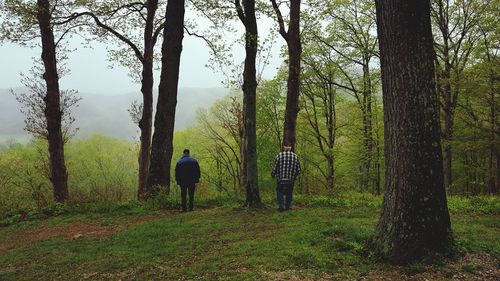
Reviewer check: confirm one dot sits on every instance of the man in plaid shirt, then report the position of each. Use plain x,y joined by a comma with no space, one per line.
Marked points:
285,169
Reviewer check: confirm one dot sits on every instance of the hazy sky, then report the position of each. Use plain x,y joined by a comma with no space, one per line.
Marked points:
90,72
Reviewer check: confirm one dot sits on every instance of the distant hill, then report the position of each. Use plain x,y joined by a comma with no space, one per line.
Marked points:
108,115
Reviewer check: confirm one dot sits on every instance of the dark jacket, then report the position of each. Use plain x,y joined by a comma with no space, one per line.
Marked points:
187,171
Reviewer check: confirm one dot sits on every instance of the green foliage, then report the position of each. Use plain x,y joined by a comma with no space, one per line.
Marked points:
347,199
99,169
24,183
475,204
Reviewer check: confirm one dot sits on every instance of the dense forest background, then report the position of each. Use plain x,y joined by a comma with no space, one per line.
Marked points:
340,125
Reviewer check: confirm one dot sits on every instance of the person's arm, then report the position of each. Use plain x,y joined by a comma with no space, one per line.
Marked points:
177,172
274,168
197,172
298,167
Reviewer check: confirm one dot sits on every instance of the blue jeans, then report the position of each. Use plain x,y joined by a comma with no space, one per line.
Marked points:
285,189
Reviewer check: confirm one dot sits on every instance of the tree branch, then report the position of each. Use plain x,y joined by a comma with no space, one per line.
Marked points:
239,10
281,23
118,35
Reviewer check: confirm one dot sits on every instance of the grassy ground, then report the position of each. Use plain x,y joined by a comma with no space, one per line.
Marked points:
228,243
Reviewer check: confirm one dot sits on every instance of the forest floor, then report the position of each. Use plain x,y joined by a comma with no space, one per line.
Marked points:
228,243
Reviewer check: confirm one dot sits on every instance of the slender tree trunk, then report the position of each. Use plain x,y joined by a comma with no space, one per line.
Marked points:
497,168
162,144
145,124
367,125
249,105
378,181
493,171
414,217
467,174
331,121
331,174
293,83
59,175
243,164
447,107
447,137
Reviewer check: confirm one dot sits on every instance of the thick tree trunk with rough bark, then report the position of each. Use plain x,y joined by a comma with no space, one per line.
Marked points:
162,144
58,173
145,124
414,218
293,83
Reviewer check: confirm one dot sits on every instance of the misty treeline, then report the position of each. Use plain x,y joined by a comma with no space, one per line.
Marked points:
407,92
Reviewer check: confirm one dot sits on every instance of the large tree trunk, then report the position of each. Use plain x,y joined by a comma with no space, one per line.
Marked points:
162,145
249,105
59,175
414,218
293,83
145,124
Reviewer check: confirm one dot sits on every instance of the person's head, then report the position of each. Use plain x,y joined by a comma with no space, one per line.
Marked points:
287,147
186,152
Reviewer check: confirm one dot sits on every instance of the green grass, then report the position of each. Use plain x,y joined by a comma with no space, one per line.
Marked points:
223,243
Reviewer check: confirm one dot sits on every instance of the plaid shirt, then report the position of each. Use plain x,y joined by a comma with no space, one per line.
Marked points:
286,167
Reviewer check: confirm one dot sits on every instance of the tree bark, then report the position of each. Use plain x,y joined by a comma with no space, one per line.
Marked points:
145,124
249,154
414,218
293,83
59,175
162,144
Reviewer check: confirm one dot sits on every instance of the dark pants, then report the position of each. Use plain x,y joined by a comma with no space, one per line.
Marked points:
285,189
184,191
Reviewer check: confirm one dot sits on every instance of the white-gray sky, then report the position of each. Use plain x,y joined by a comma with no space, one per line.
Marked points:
90,72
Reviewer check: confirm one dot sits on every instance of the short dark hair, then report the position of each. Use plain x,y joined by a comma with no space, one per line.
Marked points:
186,151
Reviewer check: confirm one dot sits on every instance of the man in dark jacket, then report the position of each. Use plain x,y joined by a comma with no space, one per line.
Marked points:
187,174
285,169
